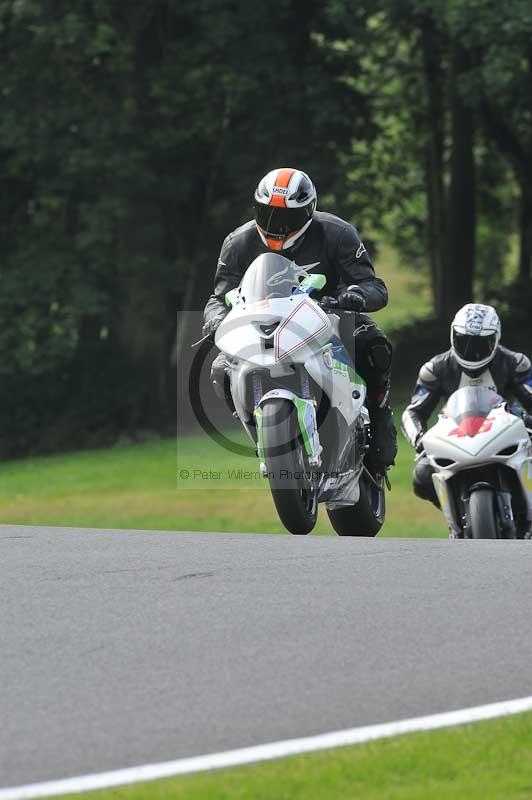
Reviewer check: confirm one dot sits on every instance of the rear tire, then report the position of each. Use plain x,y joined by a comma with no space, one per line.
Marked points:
294,491
366,517
482,517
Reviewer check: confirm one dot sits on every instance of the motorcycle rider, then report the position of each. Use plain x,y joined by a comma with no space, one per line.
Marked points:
475,359
286,221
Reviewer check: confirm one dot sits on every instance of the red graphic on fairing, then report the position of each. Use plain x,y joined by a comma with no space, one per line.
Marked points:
471,426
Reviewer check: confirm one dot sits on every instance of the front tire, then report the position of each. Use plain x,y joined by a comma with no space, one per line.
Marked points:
364,518
482,519
293,485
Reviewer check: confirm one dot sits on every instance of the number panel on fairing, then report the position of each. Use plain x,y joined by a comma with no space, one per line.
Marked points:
300,328
501,430
303,328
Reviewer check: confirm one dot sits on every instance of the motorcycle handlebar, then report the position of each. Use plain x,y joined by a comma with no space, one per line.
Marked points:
332,304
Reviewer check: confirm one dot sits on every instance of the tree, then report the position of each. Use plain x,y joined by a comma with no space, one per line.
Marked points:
498,86
131,141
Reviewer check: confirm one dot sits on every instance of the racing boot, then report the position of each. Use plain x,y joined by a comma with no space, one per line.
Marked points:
383,437
372,354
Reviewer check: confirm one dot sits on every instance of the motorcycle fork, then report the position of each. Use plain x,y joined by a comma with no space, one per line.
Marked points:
257,388
503,493
304,383
258,385
466,524
506,517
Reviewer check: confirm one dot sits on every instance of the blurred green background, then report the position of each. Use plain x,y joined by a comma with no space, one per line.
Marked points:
132,136
189,484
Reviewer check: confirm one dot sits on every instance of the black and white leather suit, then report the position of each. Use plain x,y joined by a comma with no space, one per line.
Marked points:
332,247
508,373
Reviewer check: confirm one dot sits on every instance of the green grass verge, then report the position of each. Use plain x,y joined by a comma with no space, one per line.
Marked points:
135,486
484,761
130,486
409,292
139,486
244,503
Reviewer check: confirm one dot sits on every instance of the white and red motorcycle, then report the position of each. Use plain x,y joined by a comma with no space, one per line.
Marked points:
297,394
482,456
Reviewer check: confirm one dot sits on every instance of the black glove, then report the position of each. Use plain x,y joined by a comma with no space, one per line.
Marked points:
351,301
212,325
520,412
329,302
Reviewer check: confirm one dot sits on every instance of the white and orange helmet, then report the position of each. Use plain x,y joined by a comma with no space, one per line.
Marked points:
285,201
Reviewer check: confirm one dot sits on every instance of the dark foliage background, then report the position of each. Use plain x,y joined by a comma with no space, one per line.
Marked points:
131,136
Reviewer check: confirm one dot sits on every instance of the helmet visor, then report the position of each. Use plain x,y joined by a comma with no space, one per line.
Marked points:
281,222
474,348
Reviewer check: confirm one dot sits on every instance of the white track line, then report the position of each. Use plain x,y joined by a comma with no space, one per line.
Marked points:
264,752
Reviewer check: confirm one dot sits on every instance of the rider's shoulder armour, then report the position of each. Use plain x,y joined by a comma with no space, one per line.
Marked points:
439,369
522,364
426,374
247,230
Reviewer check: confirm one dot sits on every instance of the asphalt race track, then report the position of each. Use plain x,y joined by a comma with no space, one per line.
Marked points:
121,648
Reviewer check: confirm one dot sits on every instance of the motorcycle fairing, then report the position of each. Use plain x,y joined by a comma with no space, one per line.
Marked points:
525,476
302,329
496,432
342,490
341,356
306,318
275,329
306,418
338,490
474,436
345,389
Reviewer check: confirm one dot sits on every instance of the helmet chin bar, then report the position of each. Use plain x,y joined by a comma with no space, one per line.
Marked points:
474,366
476,372
279,243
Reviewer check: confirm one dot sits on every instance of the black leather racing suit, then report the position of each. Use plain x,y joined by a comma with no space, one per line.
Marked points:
508,373
332,247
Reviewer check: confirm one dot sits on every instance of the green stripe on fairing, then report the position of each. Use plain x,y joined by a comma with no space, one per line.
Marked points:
354,377
301,407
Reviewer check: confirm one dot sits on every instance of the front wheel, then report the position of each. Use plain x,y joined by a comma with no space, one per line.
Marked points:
293,485
482,519
364,518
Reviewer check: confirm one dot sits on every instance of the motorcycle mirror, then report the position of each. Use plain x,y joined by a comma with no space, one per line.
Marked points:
232,297
313,283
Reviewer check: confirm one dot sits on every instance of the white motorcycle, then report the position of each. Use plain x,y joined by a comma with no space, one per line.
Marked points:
297,394
482,459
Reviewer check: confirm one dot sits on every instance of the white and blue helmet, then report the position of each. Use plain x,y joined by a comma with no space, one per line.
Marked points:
475,335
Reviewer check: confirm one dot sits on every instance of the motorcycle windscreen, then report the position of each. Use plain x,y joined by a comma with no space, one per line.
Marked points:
270,276
469,407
